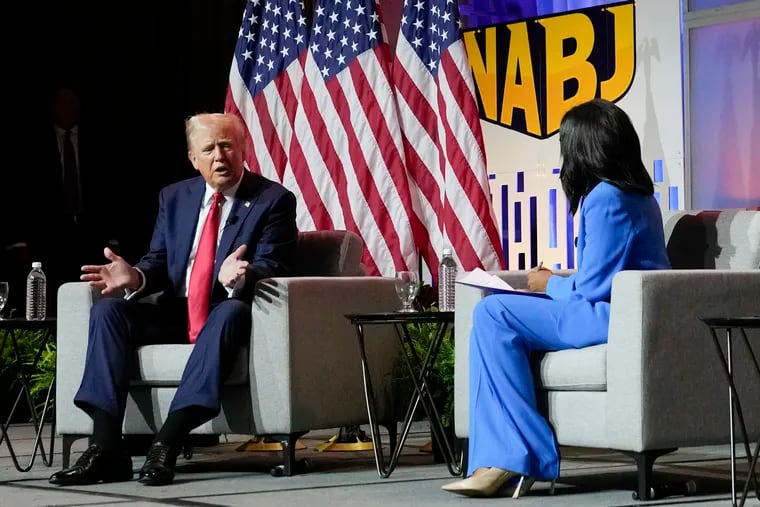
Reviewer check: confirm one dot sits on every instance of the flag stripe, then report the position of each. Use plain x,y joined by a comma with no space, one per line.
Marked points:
352,126
437,105
471,173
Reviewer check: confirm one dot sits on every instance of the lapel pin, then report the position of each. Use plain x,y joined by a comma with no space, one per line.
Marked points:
247,204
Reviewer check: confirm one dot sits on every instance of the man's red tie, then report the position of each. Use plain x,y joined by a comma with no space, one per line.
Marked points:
199,290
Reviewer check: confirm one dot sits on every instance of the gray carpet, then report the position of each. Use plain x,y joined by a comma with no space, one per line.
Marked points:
222,476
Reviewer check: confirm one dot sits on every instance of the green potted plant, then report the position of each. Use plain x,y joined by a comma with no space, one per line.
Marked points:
40,378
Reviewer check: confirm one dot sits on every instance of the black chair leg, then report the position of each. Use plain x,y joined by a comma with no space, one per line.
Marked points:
290,466
644,463
465,445
392,429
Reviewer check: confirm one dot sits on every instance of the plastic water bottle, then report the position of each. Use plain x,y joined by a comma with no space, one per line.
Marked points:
447,275
36,297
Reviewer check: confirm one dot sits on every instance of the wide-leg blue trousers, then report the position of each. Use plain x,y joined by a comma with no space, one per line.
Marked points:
506,430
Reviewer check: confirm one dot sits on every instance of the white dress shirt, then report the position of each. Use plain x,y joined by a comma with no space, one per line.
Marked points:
208,199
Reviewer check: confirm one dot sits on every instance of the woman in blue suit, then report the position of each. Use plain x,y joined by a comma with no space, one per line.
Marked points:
602,174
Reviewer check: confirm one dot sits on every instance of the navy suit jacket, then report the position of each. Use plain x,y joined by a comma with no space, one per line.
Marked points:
263,217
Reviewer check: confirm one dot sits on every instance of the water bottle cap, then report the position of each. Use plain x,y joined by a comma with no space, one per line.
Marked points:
447,251
36,265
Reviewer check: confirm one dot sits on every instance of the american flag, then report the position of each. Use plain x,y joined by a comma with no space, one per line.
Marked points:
445,156
323,120
264,88
348,128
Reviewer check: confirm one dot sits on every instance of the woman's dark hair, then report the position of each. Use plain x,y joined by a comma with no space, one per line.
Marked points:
597,142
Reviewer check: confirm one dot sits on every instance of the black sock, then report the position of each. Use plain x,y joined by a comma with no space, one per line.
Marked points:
106,429
179,424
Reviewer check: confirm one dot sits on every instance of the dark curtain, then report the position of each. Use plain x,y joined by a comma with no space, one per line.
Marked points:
140,68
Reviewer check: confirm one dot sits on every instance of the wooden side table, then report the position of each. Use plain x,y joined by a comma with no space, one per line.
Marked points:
419,370
729,325
8,330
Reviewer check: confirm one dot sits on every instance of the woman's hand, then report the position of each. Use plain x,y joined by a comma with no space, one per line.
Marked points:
538,278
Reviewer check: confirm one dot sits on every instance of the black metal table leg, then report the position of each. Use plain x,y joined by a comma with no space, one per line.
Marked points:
419,371
23,379
422,392
734,403
374,428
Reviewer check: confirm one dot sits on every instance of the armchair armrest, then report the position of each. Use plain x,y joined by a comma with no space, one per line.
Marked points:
303,346
664,379
74,302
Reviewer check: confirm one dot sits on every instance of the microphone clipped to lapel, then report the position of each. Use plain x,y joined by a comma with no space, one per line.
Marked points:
233,218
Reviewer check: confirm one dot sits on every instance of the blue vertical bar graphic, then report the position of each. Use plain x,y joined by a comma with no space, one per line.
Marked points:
521,261
520,181
658,171
555,170
570,238
533,203
552,218
657,196
673,201
518,222
505,223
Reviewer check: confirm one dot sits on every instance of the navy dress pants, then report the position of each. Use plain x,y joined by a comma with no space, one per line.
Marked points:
118,327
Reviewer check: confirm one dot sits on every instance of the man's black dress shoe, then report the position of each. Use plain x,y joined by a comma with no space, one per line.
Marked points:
96,464
158,469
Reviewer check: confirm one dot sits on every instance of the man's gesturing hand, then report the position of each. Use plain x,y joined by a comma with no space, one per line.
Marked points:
115,275
233,268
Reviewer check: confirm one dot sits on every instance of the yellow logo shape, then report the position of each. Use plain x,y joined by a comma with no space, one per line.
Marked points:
529,73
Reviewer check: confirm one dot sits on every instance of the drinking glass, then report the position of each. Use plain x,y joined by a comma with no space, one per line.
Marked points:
3,296
407,286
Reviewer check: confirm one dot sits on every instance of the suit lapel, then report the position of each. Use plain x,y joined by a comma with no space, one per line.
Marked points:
246,196
190,200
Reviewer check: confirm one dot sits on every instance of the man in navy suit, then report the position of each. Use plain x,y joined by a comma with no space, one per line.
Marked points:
254,228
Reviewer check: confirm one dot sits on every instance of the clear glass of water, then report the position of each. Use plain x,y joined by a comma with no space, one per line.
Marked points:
407,285
3,296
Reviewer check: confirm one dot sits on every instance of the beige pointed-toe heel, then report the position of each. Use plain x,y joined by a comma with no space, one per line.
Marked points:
484,484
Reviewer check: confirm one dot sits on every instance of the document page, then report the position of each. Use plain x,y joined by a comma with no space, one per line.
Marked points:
479,278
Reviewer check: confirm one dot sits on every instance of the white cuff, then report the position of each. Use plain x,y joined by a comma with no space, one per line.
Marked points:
129,293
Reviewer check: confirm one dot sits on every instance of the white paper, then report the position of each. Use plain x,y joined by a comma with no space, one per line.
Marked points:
483,280
479,278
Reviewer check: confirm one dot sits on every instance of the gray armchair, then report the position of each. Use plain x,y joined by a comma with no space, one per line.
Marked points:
657,384
301,372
